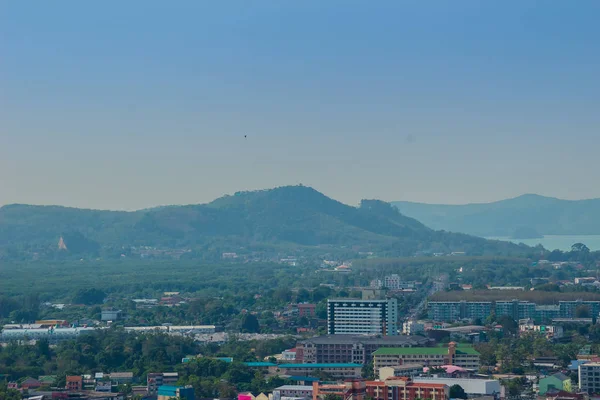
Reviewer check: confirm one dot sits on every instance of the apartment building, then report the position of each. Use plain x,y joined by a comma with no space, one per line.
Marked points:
462,356
362,317
458,310
350,389
516,309
351,348
568,308
589,378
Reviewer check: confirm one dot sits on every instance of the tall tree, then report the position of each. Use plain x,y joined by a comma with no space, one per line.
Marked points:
250,324
457,392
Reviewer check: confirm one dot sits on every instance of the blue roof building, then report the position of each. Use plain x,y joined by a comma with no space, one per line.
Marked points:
166,392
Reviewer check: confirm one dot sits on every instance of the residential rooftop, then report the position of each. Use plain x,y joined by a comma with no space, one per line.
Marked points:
260,364
294,387
369,339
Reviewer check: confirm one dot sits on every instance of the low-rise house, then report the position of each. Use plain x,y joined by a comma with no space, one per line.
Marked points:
546,362
111,315
154,380
289,355
554,394
47,380
550,332
104,386
120,378
297,391
409,370
584,280
558,381
167,392
30,383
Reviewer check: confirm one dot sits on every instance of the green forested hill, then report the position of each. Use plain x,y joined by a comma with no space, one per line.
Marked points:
289,217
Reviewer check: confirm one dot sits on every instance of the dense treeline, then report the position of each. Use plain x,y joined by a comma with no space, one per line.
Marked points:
222,294
113,350
140,278
516,354
103,350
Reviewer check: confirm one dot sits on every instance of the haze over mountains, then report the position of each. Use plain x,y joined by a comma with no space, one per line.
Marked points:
285,218
522,217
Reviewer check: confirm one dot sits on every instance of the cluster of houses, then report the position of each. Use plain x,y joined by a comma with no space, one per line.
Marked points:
103,386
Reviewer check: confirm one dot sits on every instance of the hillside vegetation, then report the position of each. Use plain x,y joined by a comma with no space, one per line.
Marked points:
276,220
522,217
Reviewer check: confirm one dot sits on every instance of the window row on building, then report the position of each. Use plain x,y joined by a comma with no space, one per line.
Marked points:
517,309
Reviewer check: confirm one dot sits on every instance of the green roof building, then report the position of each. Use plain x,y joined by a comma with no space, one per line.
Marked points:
557,381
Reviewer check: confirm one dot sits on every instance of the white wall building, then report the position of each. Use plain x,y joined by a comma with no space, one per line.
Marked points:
472,387
362,317
50,334
410,370
295,391
412,328
183,329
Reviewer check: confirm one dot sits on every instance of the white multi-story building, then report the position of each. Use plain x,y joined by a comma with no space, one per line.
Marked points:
412,328
362,317
392,281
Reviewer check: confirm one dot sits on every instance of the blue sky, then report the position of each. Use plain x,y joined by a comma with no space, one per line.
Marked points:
130,104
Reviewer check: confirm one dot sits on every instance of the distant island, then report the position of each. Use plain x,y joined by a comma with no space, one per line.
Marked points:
526,232
508,218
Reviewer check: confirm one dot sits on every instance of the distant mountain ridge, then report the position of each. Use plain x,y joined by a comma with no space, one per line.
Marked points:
530,212
290,217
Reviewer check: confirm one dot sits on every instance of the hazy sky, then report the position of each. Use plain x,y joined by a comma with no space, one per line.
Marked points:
129,104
